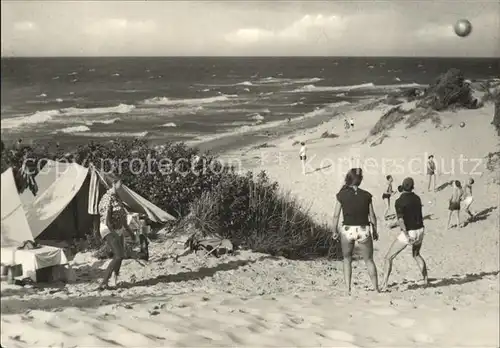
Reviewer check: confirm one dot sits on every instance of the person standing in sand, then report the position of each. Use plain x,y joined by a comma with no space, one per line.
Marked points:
346,125
113,220
351,122
468,198
431,172
359,225
303,156
454,202
386,196
410,218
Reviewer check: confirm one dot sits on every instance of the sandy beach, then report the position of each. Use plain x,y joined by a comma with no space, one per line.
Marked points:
252,299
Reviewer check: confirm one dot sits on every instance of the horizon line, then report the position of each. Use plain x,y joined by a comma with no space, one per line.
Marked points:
248,56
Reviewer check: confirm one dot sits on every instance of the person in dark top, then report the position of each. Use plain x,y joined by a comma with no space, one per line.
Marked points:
359,225
431,172
409,213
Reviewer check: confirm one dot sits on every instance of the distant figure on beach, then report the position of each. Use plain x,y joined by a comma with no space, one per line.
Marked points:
410,218
386,196
346,125
431,172
303,156
289,119
454,202
468,198
113,220
351,122
19,144
359,225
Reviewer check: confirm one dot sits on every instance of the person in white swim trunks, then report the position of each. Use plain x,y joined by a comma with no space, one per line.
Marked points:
467,201
359,225
409,213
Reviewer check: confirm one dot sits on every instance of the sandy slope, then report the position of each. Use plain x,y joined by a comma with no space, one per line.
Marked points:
255,300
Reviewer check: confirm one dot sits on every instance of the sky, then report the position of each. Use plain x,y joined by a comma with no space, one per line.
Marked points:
248,28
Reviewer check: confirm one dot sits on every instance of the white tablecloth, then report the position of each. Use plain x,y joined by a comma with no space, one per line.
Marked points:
34,259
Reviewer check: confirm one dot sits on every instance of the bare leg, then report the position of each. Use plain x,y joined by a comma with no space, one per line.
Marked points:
429,183
303,167
114,242
420,262
449,219
434,186
347,248
458,219
366,249
395,248
388,207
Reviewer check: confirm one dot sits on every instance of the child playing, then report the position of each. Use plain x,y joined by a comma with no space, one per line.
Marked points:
303,156
454,203
468,199
386,196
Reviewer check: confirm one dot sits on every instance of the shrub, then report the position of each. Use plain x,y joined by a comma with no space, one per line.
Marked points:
326,134
422,115
250,211
496,116
25,161
166,175
255,214
448,89
389,120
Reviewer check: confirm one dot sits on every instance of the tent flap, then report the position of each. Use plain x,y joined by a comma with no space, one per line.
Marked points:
15,227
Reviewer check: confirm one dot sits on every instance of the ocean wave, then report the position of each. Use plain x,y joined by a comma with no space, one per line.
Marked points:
170,124
288,81
236,124
267,81
46,116
258,117
74,129
366,86
194,101
263,126
111,121
114,134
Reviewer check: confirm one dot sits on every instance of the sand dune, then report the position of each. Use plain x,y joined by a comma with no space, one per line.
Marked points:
252,299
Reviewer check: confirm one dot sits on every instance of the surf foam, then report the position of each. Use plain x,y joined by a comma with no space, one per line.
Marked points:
194,101
48,115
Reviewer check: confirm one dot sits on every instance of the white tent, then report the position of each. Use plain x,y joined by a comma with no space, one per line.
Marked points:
65,206
15,226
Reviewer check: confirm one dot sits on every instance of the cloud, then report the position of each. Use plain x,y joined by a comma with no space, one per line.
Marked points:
434,32
24,26
120,25
308,27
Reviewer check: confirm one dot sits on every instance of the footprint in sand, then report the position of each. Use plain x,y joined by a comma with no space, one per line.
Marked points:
339,335
383,311
422,338
404,323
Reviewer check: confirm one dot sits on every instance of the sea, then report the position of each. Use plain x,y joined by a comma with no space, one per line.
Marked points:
199,100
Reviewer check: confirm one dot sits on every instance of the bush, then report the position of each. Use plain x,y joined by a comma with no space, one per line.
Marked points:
255,214
327,134
496,115
422,115
449,89
250,211
168,177
389,120
25,161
